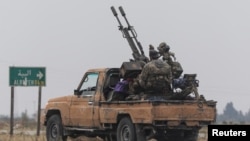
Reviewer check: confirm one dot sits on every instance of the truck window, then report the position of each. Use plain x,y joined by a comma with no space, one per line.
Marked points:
89,84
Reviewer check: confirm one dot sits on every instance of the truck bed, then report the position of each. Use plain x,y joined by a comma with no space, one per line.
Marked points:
161,113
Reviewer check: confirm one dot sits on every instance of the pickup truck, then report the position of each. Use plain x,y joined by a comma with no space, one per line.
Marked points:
88,112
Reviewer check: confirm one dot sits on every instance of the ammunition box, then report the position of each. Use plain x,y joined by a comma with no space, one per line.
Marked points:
130,69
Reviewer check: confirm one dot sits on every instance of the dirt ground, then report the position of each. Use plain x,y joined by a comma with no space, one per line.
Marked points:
31,136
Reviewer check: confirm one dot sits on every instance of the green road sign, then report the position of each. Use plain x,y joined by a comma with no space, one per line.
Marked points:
27,76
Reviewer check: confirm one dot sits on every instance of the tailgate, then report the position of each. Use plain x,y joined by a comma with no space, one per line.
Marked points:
190,113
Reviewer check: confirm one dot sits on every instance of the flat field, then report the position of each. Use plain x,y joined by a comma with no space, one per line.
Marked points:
30,135
23,137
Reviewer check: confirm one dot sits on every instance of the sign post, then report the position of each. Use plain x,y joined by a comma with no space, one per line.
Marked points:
27,76
11,111
39,110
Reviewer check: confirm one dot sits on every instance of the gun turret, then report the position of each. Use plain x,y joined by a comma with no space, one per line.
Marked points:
130,34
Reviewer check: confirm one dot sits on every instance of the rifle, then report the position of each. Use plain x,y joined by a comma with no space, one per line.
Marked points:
130,34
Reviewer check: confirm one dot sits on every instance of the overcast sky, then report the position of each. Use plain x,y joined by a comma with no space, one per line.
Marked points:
210,38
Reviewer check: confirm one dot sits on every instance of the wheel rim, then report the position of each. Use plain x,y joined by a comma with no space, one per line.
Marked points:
54,131
125,133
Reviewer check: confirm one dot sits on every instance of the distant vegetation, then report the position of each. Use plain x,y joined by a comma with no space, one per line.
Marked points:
23,121
231,115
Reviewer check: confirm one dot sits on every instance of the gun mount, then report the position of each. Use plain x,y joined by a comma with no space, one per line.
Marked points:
134,66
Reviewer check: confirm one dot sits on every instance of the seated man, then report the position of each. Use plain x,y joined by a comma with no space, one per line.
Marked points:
156,75
120,91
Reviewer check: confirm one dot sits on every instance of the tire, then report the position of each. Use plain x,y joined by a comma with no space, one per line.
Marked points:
192,135
54,129
126,130
178,135
171,136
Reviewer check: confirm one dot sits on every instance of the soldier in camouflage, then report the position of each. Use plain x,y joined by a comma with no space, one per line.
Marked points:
167,55
156,75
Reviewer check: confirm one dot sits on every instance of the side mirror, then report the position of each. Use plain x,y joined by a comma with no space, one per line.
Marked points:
77,92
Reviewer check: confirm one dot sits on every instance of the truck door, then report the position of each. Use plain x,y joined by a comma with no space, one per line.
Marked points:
82,104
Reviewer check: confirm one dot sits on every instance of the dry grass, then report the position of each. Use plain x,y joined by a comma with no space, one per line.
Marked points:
26,137
7,137
19,137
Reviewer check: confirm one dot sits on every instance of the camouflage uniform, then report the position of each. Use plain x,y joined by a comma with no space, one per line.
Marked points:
167,57
156,76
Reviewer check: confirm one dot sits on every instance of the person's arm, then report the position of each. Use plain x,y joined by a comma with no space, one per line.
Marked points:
172,54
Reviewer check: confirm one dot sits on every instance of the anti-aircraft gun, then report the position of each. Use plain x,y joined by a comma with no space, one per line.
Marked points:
132,68
188,84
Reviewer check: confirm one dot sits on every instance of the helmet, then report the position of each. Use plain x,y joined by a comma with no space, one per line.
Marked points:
151,47
154,54
163,46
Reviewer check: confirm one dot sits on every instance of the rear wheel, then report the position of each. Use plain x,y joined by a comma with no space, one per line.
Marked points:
54,129
178,135
192,135
126,130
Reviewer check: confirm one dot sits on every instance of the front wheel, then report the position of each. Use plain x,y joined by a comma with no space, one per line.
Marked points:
54,129
126,130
